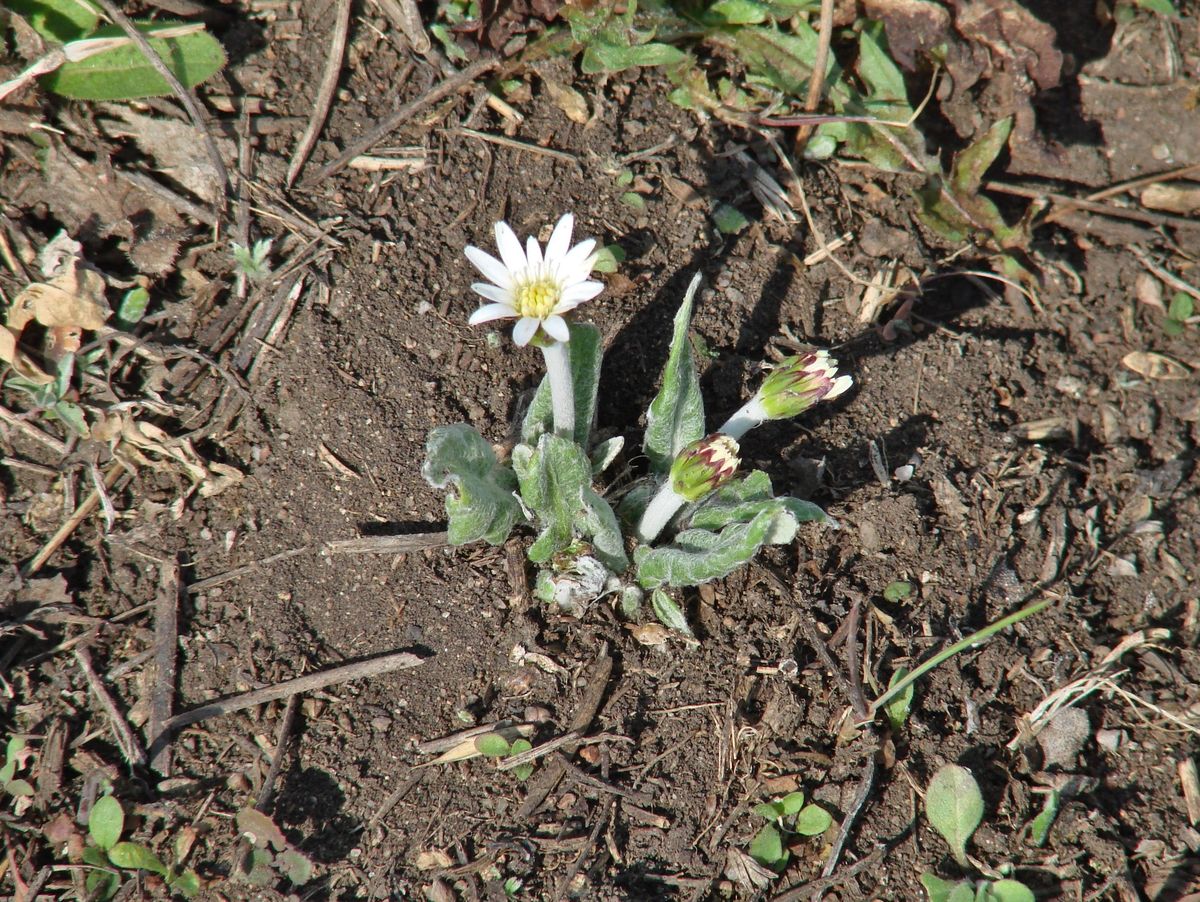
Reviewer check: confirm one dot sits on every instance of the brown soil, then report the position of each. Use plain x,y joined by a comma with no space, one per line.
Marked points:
377,351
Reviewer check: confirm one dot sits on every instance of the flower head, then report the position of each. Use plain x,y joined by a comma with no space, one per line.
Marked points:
535,288
799,382
703,466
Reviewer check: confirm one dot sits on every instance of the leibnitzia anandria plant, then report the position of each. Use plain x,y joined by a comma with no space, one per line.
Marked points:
691,519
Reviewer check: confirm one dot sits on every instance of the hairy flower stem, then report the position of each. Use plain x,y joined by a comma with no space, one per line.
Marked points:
659,512
744,419
562,390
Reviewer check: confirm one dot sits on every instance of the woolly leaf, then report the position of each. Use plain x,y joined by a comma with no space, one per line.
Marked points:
676,415
553,477
954,807
482,505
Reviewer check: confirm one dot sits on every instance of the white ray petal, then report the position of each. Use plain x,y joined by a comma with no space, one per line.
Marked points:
580,292
524,330
560,238
533,252
573,267
510,248
492,268
492,292
556,328
489,312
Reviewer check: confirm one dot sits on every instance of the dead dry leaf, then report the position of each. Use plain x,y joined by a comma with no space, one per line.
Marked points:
1155,366
567,99
432,859
174,146
1171,198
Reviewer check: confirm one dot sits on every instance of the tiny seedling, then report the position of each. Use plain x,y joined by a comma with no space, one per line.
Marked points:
252,262
897,591
16,755
898,709
954,806
268,855
110,856
53,400
787,815
1179,314
494,745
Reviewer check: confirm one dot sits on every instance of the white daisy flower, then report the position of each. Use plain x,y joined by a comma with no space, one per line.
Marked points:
535,288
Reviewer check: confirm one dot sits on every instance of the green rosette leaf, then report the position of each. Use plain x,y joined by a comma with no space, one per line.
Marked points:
676,415
482,505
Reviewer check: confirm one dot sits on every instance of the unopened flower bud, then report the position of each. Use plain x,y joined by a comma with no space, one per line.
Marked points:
799,382
703,465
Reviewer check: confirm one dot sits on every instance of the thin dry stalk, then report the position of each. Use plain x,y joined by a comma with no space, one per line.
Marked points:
114,474
329,80
816,81
128,743
166,644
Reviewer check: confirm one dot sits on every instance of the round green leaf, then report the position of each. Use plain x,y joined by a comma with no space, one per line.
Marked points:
135,856
186,884
813,821
1011,891
954,807
936,888
123,73
897,591
791,803
493,745
106,822
767,848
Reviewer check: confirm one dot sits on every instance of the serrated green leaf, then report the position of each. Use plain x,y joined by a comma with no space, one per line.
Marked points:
553,477
135,856
668,613
58,21
186,884
1039,829
633,199
256,868
676,415
882,76
898,707
767,848
585,354
123,73
813,821
1010,891
492,745
482,505
605,57
970,166
296,866
106,822
954,807
260,829
699,555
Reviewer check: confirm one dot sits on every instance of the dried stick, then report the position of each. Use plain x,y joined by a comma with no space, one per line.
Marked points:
816,81
131,749
329,80
220,579
184,94
33,432
400,660
822,884
388,544
400,116
64,532
166,644
267,793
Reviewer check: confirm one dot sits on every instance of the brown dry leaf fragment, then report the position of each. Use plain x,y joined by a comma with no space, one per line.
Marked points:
654,634
913,26
72,301
745,871
335,463
174,146
260,829
1049,429
1155,366
1013,34
948,500
1171,198
209,479
432,859
567,99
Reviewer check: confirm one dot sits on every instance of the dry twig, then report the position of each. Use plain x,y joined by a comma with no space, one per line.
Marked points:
166,643
816,81
329,80
131,749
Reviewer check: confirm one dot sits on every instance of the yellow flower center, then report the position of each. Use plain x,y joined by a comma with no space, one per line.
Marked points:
537,298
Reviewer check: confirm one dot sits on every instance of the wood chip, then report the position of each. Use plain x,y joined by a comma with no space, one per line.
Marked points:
1155,366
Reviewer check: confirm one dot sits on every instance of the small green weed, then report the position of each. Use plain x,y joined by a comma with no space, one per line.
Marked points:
954,807
787,815
493,745
268,855
252,262
16,755
1179,314
54,400
111,857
